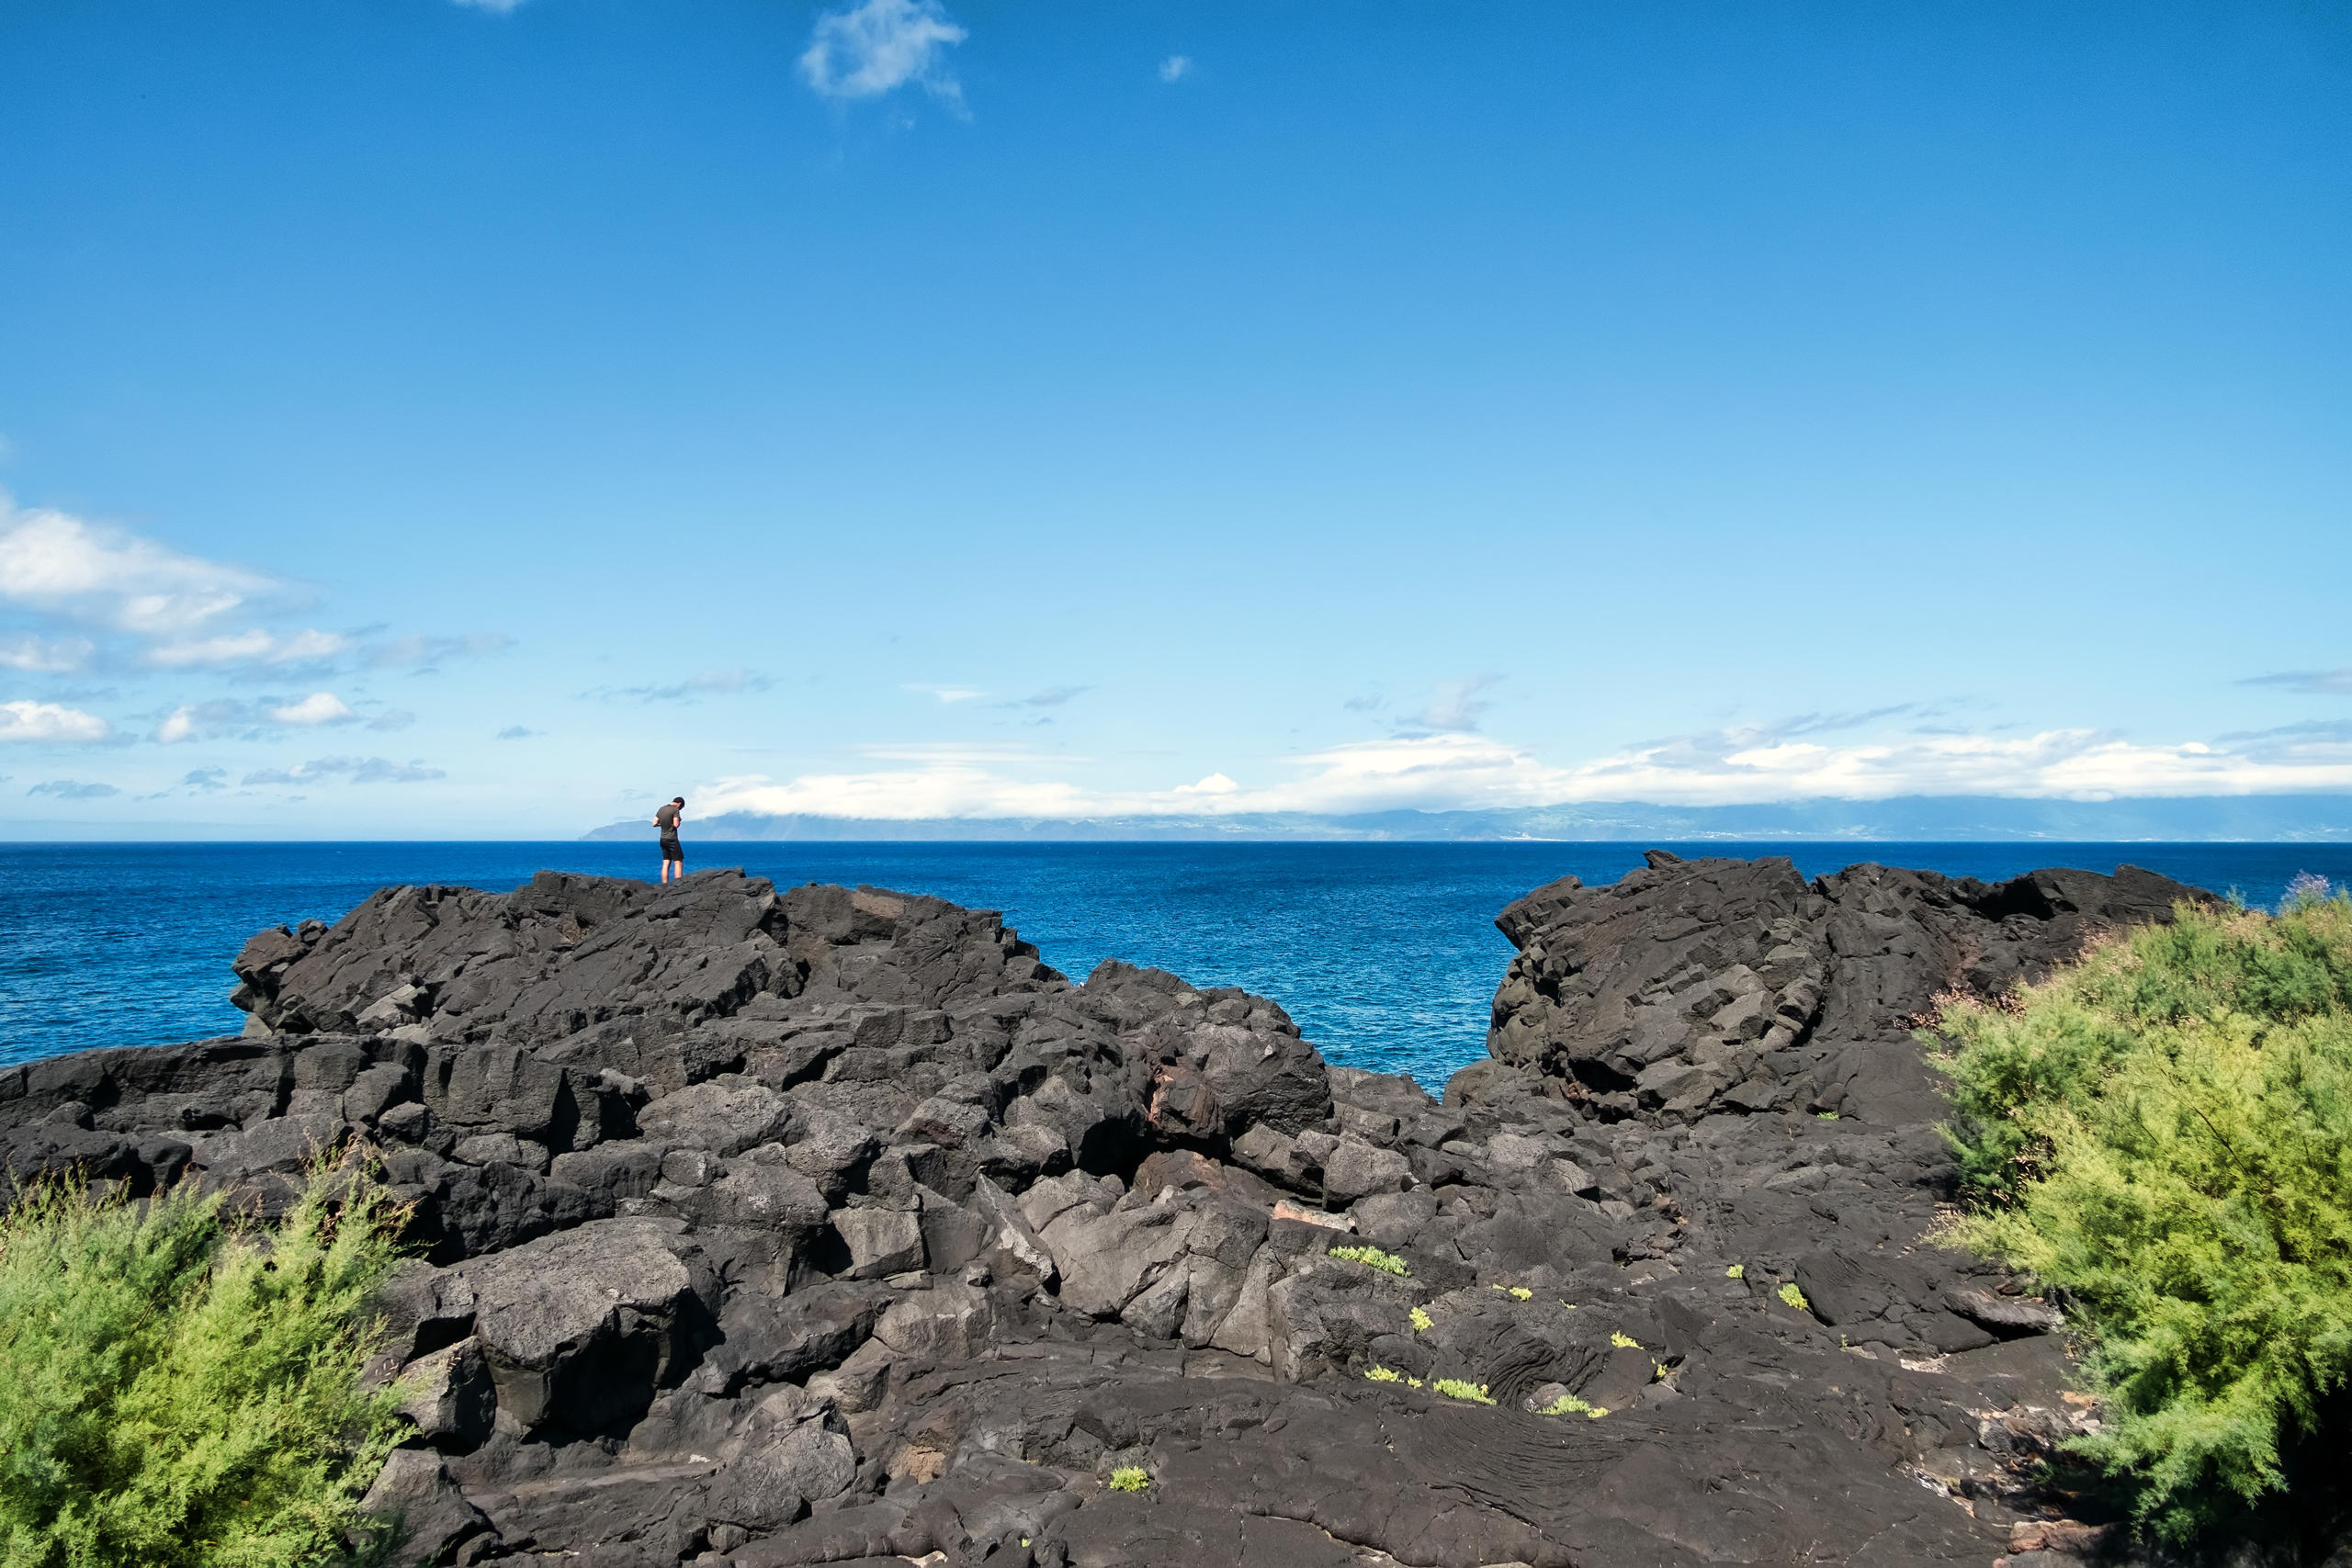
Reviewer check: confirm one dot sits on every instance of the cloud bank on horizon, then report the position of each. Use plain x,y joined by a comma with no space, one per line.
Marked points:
1464,770
153,612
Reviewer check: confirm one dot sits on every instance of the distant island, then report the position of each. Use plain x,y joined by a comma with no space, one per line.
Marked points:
2270,819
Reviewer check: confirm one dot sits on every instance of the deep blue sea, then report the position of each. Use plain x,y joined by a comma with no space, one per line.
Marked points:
1385,954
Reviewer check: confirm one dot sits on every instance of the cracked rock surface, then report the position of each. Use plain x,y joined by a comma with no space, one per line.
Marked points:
832,1226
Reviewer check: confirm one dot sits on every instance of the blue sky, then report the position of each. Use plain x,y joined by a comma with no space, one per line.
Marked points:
464,420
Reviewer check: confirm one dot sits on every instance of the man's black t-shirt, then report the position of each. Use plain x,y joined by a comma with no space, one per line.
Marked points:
667,820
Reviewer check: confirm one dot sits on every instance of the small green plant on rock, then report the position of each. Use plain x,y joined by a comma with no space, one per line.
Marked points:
1737,1271
1373,1258
1569,1405
1420,1321
1521,1294
1455,1388
1385,1374
1130,1478
1790,1293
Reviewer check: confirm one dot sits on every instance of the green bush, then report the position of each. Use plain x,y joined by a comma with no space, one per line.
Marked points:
180,1388
2164,1133
1130,1478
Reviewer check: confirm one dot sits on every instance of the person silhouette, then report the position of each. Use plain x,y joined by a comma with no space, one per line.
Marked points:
674,854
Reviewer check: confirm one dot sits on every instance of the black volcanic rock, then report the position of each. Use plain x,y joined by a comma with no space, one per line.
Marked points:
830,1225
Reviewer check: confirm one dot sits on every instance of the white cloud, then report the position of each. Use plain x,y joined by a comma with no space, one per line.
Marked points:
45,655
1051,697
73,789
1175,68
1461,770
964,752
2319,683
58,562
49,721
498,7
945,694
318,707
252,721
255,646
1457,704
392,718
880,46
939,789
424,652
709,682
1216,783
358,770
2068,764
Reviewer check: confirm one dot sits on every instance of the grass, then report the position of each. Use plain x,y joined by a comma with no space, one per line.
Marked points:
1373,1258
1420,1321
1569,1405
1788,1293
2163,1131
1737,1271
1455,1388
1130,1478
1622,1340
179,1388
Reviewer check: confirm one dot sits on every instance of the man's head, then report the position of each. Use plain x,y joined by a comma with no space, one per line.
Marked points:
678,800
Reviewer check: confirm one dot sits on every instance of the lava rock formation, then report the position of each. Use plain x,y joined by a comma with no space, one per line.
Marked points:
831,1227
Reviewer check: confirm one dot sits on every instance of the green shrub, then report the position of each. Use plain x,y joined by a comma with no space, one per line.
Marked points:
179,1388
1569,1405
1420,1321
1130,1478
2163,1131
1385,1374
1455,1388
1373,1258
1790,1293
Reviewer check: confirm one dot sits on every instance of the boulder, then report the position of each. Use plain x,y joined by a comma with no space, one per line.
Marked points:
580,1329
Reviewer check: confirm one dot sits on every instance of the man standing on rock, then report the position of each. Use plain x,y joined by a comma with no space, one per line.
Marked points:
674,854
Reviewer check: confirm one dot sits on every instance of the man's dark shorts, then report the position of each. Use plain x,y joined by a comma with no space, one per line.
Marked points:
672,849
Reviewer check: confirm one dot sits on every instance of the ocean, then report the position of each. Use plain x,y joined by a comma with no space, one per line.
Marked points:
1385,954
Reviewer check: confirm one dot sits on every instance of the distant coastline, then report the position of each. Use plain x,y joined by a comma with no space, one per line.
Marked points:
2273,818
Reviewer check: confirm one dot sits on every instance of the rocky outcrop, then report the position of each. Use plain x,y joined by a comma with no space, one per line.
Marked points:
828,1225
